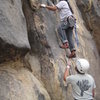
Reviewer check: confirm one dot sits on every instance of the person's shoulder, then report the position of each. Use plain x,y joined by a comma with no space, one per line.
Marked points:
90,76
62,1
72,76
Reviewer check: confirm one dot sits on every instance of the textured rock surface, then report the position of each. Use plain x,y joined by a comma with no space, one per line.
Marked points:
88,49
12,24
20,85
92,18
40,75
52,59
13,31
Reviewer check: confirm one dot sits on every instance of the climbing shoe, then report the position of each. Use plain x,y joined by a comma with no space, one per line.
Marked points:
72,55
64,45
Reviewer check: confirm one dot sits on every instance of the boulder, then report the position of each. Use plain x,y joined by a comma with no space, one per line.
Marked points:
40,75
91,17
13,30
20,85
12,24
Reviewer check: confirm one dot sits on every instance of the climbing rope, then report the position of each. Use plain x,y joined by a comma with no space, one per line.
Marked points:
76,36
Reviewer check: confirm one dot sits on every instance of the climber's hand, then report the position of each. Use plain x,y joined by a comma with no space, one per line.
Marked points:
68,67
43,5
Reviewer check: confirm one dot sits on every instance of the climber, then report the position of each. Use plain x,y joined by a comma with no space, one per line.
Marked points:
83,84
65,28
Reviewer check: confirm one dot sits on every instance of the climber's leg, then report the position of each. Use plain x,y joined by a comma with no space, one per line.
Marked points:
63,37
69,33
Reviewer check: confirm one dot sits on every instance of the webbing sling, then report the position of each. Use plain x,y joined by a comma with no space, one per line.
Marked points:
70,7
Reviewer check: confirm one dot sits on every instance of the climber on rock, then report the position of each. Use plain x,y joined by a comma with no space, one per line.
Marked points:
66,26
83,84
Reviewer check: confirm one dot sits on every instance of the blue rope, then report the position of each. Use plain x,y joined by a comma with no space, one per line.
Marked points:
76,36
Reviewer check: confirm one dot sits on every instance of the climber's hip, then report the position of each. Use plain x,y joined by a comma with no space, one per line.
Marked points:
68,22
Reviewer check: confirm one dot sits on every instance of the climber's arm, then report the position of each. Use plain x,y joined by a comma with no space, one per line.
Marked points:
93,92
94,89
66,73
53,7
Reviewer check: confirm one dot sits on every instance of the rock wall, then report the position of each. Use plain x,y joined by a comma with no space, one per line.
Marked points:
37,74
20,85
91,17
13,31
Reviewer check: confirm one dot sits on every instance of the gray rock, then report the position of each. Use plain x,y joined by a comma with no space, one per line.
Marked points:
46,64
12,24
91,17
20,85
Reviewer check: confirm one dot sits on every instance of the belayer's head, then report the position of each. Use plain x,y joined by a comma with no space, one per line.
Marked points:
82,66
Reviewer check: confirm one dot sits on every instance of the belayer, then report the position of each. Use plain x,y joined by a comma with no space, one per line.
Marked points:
83,84
65,29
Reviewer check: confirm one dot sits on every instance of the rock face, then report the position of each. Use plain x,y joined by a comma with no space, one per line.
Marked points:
39,74
13,31
12,24
91,17
20,85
